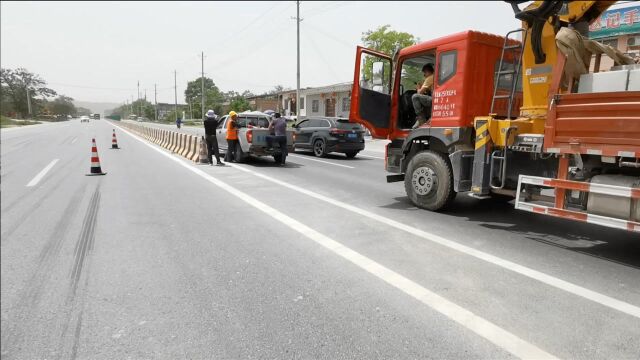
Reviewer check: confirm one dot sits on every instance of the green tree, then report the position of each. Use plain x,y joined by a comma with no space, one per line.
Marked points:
237,101
388,41
15,84
62,105
213,98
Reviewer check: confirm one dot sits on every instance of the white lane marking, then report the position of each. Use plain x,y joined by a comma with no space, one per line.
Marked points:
594,296
74,140
484,328
372,157
322,161
42,173
583,292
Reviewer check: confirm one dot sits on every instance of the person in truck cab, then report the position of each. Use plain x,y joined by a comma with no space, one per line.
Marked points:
422,99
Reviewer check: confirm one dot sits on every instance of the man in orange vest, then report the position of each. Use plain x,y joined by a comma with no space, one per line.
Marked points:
232,137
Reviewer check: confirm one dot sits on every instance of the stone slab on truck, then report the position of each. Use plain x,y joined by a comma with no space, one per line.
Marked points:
513,117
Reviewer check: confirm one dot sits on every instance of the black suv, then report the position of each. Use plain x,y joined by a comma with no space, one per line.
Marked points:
326,134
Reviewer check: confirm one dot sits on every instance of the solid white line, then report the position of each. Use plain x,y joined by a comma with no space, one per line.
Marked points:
42,173
322,161
506,264
491,332
369,156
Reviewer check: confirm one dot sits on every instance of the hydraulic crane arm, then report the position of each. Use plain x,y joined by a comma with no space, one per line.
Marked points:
560,13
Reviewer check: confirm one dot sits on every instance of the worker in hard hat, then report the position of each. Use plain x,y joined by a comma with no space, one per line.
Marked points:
232,137
210,124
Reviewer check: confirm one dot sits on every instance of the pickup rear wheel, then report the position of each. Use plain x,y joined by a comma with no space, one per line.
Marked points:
429,181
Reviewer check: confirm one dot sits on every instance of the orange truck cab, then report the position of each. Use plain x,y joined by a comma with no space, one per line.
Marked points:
464,65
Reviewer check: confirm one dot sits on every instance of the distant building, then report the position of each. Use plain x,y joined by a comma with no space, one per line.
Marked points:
264,102
331,100
166,108
620,29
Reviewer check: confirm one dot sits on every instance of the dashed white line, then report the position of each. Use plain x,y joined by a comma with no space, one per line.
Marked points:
482,327
322,161
42,173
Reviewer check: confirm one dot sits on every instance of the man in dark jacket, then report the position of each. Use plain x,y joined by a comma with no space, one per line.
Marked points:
278,128
210,125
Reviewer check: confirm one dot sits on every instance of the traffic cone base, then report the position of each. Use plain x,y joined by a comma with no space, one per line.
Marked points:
95,161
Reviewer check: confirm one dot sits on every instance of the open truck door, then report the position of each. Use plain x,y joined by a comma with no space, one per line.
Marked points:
371,92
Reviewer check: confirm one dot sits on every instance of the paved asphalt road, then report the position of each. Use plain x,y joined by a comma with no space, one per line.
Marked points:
161,258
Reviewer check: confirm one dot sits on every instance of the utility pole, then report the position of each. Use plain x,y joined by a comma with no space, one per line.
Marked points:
298,52
29,102
202,85
139,105
155,101
175,93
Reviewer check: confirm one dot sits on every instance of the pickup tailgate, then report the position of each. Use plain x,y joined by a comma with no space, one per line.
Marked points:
260,137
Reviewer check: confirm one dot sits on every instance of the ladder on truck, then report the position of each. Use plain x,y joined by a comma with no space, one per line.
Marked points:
512,50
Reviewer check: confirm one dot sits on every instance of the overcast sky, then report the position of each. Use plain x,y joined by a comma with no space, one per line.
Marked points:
97,51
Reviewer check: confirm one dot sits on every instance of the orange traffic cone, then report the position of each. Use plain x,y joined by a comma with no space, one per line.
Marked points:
114,141
95,161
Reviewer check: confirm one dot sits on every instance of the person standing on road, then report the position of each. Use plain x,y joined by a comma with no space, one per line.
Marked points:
278,128
178,122
232,137
210,124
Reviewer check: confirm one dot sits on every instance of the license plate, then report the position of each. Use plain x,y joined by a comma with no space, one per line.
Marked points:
352,136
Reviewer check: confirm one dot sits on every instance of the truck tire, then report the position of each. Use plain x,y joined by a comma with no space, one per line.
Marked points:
241,156
319,148
277,157
429,181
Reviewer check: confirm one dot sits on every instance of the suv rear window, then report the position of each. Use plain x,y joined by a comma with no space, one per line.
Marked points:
344,124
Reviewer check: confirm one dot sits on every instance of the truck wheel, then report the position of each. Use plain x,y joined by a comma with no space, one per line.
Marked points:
319,149
241,156
277,157
351,154
429,181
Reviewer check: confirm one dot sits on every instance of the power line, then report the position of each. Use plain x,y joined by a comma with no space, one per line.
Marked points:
321,56
333,37
90,87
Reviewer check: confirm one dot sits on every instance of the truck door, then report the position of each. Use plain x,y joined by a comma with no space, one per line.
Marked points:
371,92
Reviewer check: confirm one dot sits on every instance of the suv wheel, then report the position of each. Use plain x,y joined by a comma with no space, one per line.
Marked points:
319,149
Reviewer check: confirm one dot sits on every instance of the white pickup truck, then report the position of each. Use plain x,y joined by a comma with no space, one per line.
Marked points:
252,136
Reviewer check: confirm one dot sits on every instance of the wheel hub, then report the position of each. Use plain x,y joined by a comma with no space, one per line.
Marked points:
424,180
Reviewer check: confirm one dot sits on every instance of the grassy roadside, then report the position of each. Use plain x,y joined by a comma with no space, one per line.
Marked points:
5,122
